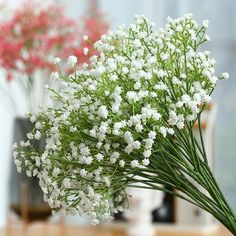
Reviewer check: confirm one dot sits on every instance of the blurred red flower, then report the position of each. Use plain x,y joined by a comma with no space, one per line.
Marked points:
35,34
94,25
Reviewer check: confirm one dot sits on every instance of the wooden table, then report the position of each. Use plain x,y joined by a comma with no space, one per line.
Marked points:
42,229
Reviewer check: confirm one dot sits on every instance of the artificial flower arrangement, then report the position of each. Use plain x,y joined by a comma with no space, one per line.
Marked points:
31,38
127,118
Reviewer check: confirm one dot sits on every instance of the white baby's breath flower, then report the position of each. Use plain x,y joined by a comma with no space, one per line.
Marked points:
55,75
99,157
113,77
145,162
132,105
102,112
85,37
147,153
163,131
25,144
56,171
186,98
37,135
30,136
205,23
83,173
175,80
33,118
213,79
170,131
152,134
225,75
38,125
86,51
56,60
29,173
73,129
72,60
67,183
122,163
134,163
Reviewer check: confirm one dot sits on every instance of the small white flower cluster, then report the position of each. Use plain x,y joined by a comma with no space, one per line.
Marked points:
113,114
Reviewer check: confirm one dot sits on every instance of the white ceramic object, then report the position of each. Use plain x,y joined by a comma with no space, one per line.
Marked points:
142,202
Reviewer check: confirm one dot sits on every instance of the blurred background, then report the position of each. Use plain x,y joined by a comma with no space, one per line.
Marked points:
30,38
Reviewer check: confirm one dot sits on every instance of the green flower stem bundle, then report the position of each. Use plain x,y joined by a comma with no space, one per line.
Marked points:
127,118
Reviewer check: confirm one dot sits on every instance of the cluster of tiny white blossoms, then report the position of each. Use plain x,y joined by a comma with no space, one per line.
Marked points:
112,115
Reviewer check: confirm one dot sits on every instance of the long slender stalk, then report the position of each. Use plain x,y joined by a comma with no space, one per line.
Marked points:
184,167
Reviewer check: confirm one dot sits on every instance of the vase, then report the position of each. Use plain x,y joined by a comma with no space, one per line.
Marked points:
142,202
37,209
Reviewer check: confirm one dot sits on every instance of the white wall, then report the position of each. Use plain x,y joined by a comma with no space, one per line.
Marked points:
5,142
6,122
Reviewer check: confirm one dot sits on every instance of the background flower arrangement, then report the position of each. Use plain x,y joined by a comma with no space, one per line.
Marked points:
34,35
31,36
126,118
93,26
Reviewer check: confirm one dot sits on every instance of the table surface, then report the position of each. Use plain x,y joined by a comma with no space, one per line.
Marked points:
42,229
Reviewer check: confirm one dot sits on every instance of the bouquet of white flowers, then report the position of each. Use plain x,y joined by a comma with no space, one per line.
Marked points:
127,118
